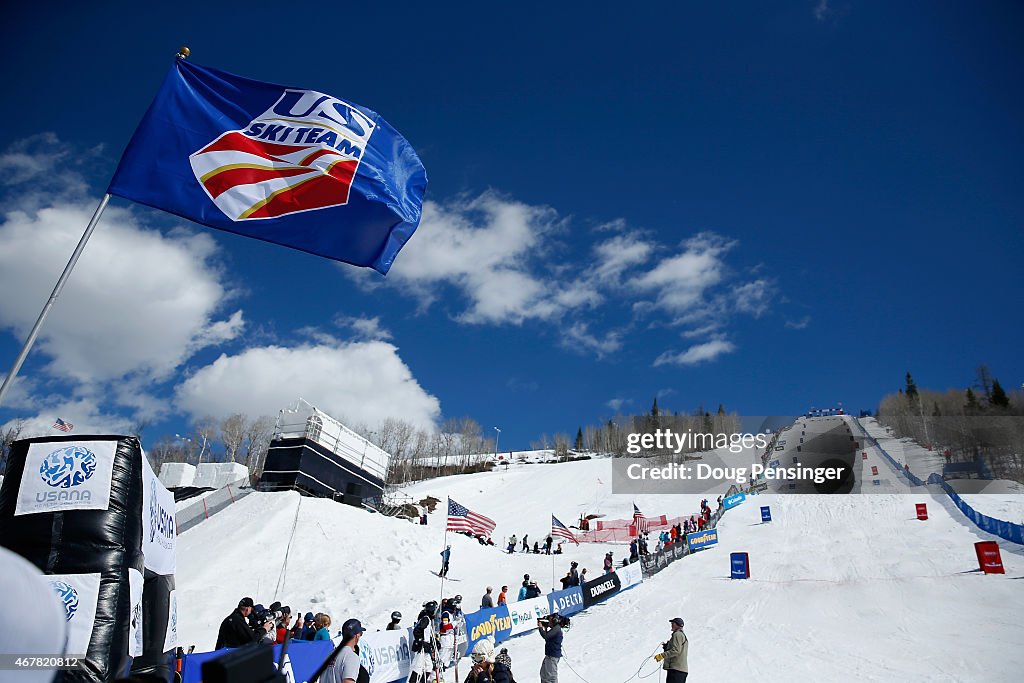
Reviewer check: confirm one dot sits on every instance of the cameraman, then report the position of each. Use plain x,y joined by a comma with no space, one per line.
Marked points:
235,630
675,653
550,629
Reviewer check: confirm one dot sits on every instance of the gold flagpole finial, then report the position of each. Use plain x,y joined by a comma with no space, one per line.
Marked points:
183,52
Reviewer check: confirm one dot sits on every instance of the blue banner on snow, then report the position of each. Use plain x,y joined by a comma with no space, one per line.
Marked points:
567,602
495,623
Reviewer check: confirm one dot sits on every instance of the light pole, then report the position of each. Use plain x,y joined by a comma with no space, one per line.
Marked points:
496,437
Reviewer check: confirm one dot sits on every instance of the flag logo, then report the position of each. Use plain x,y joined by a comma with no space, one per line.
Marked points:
299,155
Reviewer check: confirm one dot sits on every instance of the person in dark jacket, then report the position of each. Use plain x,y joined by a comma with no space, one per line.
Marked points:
551,631
502,671
234,630
396,617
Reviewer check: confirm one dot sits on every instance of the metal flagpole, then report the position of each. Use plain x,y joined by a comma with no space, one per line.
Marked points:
9,380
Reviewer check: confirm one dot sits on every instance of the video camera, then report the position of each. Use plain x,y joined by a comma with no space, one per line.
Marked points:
555,620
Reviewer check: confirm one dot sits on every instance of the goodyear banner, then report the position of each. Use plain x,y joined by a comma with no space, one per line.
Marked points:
601,588
702,539
732,501
291,166
494,623
566,602
525,614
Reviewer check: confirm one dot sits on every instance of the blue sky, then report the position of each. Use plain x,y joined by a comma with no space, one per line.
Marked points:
765,205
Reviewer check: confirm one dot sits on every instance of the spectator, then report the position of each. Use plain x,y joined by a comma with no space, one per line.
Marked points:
323,625
526,543
300,623
675,652
536,548
583,576
503,667
547,545
483,662
503,596
309,627
346,668
283,626
551,631
574,573
608,563
558,550
634,550
512,544
566,580
487,601
522,591
396,617
235,630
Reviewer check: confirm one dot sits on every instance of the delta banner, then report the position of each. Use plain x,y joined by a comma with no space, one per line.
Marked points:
702,539
732,501
601,588
566,602
525,613
493,623
290,166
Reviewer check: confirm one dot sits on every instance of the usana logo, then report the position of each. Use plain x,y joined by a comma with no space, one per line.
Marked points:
66,468
68,596
159,521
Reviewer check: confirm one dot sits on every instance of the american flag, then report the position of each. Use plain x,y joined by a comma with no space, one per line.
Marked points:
559,529
639,520
63,426
461,518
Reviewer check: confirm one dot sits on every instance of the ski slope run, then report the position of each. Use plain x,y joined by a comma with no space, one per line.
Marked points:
847,587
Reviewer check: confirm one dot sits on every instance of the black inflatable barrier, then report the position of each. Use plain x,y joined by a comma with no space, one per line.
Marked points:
59,541
157,617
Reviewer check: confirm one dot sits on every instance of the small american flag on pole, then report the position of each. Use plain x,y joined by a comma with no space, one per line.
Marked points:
639,520
461,518
559,529
63,426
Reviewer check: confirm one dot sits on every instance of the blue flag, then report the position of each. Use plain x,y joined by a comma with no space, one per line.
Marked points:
291,166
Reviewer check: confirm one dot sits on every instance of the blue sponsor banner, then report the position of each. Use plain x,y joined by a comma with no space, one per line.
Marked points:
305,656
702,539
733,501
567,602
766,513
494,623
740,564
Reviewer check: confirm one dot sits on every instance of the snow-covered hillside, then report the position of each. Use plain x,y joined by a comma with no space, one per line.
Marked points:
848,587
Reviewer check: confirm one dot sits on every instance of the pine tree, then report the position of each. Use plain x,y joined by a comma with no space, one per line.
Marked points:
721,409
972,407
911,387
579,439
998,399
654,409
936,412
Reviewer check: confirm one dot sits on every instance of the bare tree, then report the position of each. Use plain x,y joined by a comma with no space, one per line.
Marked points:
232,434
8,436
258,435
205,430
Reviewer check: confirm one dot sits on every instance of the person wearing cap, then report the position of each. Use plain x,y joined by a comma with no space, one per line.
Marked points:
502,671
550,630
487,601
483,663
346,668
674,656
235,630
396,617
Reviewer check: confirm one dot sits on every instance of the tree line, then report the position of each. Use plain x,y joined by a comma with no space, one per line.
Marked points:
981,420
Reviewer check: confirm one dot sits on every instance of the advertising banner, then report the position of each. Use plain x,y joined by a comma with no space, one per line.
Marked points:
740,565
650,564
702,539
566,602
601,588
386,655
158,526
495,623
135,582
630,575
733,501
171,634
79,594
68,475
766,514
525,614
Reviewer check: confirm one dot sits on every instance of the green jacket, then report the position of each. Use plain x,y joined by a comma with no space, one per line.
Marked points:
675,652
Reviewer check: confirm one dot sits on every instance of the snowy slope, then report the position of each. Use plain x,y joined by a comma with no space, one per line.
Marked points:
843,587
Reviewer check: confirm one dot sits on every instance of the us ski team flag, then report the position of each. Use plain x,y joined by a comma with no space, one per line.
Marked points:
295,167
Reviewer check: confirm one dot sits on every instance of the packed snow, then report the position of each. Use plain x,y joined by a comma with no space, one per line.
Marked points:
843,587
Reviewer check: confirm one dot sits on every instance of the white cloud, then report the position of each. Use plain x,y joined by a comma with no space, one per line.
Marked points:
358,382
620,253
697,354
617,403
799,324
577,336
363,327
753,297
680,282
822,10
137,304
